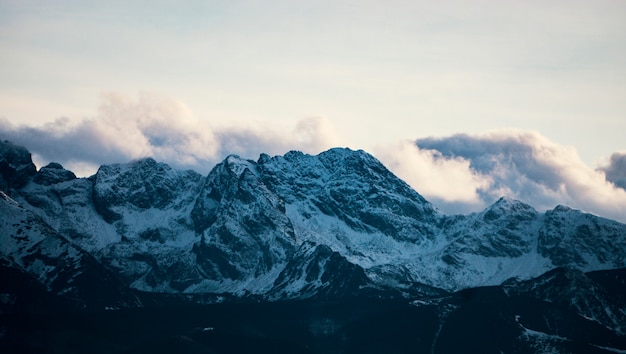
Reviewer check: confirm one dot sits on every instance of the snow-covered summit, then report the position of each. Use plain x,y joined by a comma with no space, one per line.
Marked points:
507,206
260,226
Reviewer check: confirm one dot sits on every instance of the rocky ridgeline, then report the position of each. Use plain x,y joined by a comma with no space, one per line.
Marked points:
292,226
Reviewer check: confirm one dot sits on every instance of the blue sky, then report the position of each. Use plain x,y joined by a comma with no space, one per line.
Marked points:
271,76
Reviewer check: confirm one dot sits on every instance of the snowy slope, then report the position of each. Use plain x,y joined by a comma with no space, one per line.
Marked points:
285,225
31,246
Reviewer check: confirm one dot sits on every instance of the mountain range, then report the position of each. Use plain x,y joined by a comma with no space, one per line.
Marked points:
297,227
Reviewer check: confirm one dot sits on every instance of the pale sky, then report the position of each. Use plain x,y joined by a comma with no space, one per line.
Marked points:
314,74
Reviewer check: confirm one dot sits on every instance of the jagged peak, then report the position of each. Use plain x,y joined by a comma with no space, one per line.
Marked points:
341,154
53,173
263,158
294,154
508,206
54,166
141,166
332,154
563,209
239,165
508,202
145,162
9,149
16,166
340,151
138,163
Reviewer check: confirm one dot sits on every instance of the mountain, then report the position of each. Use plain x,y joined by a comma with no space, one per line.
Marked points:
248,226
335,227
36,256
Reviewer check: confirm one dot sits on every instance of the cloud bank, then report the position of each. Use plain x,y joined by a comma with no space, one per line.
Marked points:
165,129
459,173
464,172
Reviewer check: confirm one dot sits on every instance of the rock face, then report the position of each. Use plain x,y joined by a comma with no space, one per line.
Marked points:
53,173
317,271
16,166
352,187
578,292
292,226
245,236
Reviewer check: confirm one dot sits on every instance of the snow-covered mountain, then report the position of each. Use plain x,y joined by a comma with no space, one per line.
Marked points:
292,226
31,247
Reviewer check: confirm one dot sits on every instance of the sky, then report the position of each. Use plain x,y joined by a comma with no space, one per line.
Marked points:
465,100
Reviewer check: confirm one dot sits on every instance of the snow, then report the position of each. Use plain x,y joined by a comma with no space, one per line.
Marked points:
541,342
75,213
239,165
415,242
422,259
609,349
252,284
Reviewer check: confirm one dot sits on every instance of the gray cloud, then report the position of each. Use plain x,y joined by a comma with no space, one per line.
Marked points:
125,129
615,171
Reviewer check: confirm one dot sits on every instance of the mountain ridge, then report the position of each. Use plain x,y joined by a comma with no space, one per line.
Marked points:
237,229
293,253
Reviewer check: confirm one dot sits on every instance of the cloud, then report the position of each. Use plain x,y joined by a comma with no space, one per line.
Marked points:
165,129
467,172
310,135
444,181
615,171
459,173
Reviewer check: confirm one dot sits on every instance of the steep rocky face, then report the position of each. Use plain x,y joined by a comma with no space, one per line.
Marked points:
140,185
246,235
16,166
350,202
353,187
505,229
67,206
572,238
53,173
485,248
147,204
317,271
575,290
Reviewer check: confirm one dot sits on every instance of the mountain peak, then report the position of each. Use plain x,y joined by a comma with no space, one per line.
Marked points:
53,173
144,161
239,165
336,155
16,166
562,209
343,152
509,206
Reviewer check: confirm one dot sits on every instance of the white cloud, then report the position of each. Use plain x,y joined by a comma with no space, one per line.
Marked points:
461,172
162,128
442,180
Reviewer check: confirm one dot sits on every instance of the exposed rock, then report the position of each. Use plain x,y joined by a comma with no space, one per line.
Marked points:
16,166
53,173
